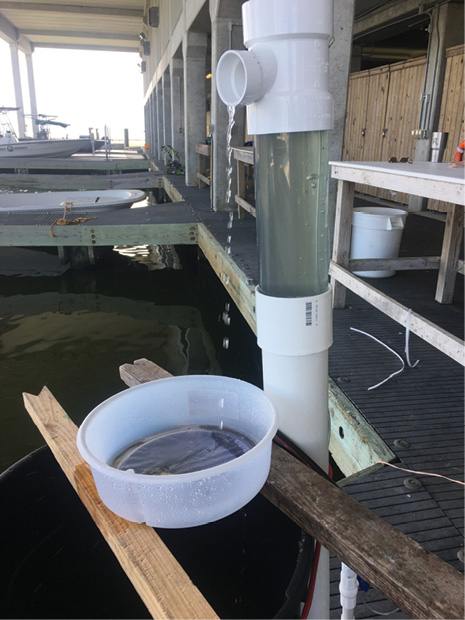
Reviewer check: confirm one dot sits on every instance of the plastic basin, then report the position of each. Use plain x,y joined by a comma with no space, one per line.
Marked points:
187,499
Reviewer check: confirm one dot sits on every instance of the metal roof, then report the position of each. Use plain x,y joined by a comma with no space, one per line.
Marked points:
83,24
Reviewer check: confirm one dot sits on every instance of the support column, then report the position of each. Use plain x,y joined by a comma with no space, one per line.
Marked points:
153,122
194,49
446,30
339,68
177,107
159,119
166,84
17,86
226,34
32,92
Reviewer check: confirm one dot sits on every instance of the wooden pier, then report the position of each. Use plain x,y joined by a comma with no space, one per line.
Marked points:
431,514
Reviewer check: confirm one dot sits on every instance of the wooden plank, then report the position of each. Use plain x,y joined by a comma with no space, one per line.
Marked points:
395,179
159,579
246,206
447,343
203,178
244,154
453,235
241,291
157,225
354,444
203,149
73,163
34,182
419,582
400,264
414,579
342,235
142,371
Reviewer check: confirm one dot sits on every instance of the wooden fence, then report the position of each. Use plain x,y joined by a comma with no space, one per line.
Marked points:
383,107
451,119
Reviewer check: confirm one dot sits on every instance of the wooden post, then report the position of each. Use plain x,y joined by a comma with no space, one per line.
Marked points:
453,236
342,236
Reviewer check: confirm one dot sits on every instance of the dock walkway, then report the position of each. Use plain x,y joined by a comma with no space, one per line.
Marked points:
418,413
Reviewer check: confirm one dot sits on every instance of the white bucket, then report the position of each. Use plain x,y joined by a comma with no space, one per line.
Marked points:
185,499
376,233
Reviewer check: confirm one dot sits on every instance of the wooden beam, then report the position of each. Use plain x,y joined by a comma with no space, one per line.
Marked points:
354,444
80,34
161,582
399,264
414,579
137,180
436,336
383,17
7,31
233,279
82,46
68,7
453,235
95,163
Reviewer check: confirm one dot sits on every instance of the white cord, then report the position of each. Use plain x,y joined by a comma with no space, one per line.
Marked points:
373,387
407,336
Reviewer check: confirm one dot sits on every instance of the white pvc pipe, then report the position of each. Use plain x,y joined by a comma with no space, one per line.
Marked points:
348,588
282,78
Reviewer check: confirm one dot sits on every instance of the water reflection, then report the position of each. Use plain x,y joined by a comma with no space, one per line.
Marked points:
74,344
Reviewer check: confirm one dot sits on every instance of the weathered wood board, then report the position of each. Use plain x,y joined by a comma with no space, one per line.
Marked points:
161,582
418,581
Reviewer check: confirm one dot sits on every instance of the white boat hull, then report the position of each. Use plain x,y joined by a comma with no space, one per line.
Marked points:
79,201
42,148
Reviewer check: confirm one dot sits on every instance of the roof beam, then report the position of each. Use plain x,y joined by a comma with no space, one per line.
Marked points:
70,8
96,48
7,31
10,34
392,13
79,34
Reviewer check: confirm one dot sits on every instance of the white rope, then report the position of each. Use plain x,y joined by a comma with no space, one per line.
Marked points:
407,336
373,387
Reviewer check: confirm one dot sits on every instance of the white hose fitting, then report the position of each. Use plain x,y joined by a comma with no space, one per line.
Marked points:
348,588
283,78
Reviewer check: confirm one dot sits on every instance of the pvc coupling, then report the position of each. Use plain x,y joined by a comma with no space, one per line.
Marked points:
283,77
294,326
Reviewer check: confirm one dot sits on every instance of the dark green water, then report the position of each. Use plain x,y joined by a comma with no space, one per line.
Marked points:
71,332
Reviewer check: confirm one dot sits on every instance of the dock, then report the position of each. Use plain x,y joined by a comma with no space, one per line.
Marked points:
414,421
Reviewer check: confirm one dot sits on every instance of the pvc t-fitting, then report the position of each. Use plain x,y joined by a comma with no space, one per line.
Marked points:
243,77
283,77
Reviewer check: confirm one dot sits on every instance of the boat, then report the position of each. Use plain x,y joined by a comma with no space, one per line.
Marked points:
77,201
11,146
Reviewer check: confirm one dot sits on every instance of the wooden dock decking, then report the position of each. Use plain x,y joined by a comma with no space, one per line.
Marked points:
419,414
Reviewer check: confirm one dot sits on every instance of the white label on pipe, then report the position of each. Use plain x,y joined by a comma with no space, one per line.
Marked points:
294,325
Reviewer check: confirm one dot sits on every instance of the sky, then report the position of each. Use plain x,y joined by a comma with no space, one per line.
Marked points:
82,88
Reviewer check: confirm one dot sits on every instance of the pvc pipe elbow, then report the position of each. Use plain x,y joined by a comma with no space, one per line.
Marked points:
243,77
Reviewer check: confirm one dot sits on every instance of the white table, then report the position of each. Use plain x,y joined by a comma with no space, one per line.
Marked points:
431,180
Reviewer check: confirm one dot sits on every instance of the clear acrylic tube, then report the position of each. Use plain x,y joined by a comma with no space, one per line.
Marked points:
291,177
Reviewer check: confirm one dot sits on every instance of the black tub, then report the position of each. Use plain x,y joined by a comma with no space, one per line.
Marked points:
55,563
